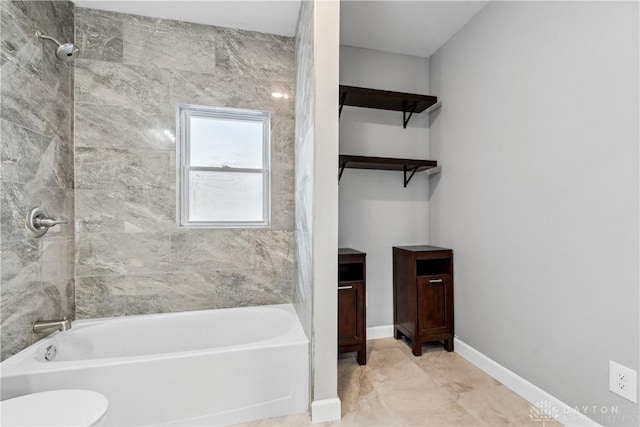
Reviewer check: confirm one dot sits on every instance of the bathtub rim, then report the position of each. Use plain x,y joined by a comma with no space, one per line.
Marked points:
25,363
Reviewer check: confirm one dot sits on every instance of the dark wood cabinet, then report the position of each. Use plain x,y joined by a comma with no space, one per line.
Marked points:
352,316
423,295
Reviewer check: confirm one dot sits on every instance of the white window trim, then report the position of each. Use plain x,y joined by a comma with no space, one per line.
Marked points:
184,113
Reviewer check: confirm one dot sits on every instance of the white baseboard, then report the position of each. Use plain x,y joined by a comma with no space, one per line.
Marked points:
325,410
377,332
552,405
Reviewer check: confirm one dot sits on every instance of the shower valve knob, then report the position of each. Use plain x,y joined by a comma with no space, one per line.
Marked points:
38,222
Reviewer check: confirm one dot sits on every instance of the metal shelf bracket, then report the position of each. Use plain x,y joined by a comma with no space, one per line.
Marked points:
342,166
342,99
413,172
405,110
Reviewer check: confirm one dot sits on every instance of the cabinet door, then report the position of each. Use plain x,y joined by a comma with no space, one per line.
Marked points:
435,304
350,311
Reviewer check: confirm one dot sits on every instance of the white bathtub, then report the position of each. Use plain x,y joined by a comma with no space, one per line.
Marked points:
212,367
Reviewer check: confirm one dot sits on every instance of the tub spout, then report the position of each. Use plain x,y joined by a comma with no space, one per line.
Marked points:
48,325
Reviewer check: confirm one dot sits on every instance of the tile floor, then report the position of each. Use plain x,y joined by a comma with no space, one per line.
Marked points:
437,389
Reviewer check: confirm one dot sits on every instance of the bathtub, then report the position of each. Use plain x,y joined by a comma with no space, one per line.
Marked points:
213,367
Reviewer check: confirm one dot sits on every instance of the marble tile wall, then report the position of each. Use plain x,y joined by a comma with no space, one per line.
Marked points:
36,148
131,257
304,167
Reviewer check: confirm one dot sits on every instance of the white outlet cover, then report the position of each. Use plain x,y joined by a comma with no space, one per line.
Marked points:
623,381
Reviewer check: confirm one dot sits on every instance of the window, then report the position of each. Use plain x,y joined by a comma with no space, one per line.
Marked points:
223,167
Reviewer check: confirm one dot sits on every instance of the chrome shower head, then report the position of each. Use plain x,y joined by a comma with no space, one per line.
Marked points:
66,52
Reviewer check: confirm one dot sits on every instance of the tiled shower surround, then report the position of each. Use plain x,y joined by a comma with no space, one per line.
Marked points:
131,258
37,168
304,134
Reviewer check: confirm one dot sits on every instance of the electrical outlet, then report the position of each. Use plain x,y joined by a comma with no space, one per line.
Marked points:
623,381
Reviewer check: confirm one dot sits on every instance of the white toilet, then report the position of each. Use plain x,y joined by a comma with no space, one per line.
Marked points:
55,408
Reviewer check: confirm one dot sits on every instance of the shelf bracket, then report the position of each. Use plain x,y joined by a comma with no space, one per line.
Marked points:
405,110
406,181
342,166
342,99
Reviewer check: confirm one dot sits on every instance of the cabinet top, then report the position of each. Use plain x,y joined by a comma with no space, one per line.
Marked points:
421,248
349,251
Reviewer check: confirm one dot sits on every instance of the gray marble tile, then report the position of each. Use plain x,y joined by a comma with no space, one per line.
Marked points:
282,211
172,171
256,55
126,211
18,44
15,337
18,199
264,99
20,260
57,264
57,75
207,250
153,128
121,253
29,157
282,176
241,288
119,169
171,293
28,102
304,163
103,126
169,44
37,164
98,126
110,83
101,296
125,159
36,56
15,331
19,315
99,34
24,298
64,19
283,137
52,304
220,89
54,18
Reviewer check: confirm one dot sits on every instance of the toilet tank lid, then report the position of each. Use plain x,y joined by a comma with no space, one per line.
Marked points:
54,408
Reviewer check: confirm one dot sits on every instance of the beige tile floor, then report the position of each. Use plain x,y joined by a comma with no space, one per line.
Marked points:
439,388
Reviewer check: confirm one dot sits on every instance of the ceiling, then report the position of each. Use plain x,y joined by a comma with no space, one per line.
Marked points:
265,16
410,27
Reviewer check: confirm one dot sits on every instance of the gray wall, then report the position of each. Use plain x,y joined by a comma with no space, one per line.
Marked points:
37,169
304,142
376,200
131,257
538,197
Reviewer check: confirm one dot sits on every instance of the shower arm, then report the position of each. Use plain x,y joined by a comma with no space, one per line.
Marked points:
42,36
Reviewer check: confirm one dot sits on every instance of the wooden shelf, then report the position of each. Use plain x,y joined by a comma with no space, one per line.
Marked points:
408,103
386,163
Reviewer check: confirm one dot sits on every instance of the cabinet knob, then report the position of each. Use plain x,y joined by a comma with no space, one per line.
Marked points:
435,280
345,287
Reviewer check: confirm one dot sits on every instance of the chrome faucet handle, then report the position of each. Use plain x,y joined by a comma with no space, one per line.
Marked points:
38,222
48,222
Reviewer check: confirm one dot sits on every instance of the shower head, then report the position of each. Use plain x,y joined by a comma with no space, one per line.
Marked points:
66,52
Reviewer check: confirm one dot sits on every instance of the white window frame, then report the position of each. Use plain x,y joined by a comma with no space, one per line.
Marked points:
185,112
